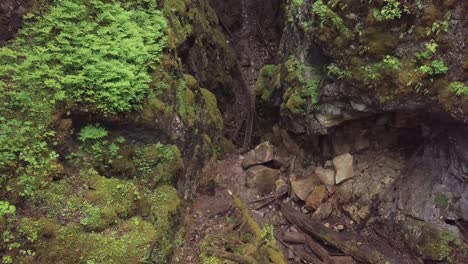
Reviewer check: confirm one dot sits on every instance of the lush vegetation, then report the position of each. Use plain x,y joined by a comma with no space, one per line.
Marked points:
87,53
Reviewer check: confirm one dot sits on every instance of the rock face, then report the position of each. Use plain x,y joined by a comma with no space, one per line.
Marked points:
262,178
263,153
344,167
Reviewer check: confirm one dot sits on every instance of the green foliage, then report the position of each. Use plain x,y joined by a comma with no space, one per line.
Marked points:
312,91
341,74
459,88
267,82
158,163
434,68
97,147
24,150
90,53
7,260
92,133
431,49
391,10
371,74
6,208
392,62
330,18
438,27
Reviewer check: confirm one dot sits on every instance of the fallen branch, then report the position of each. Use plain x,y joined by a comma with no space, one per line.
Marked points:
301,238
268,202
302,254
349,243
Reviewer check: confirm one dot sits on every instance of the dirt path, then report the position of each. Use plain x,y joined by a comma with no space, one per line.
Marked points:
209,211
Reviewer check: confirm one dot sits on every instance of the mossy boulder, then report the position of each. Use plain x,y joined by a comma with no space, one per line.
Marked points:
158,163
432,241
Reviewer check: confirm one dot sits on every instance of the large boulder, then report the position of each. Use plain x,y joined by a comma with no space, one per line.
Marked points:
262,178
261,154
432,241
344,167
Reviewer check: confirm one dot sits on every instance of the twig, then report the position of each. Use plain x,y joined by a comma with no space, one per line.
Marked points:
269,202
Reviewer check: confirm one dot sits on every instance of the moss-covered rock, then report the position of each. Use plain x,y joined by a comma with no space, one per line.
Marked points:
158,163
432,241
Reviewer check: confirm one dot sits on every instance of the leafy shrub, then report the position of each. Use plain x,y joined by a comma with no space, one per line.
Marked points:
98,148
6,208
93,53
434,68
431,49
333,69
392,62
459,88
390,11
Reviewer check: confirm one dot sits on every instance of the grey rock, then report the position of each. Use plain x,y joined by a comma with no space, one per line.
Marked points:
281,187
262,153
326,176
344,167
262,178
323,211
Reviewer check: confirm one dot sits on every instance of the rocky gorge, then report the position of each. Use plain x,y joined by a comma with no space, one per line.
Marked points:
298,131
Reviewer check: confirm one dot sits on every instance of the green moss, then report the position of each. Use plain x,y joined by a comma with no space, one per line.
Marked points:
378,41
129,241
267,82
295,103
213,115
441,200
329,18
438,245
158,163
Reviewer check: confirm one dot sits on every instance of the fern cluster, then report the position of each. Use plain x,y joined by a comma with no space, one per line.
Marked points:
92,54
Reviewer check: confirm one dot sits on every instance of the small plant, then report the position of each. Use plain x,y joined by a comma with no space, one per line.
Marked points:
392,62
268,236
340,74
7,260
459,88
92,133
390,11
6,208
439,26
431,49
371,74
436,67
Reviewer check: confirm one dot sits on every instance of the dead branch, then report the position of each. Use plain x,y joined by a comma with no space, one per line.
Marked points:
349,243
301,238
